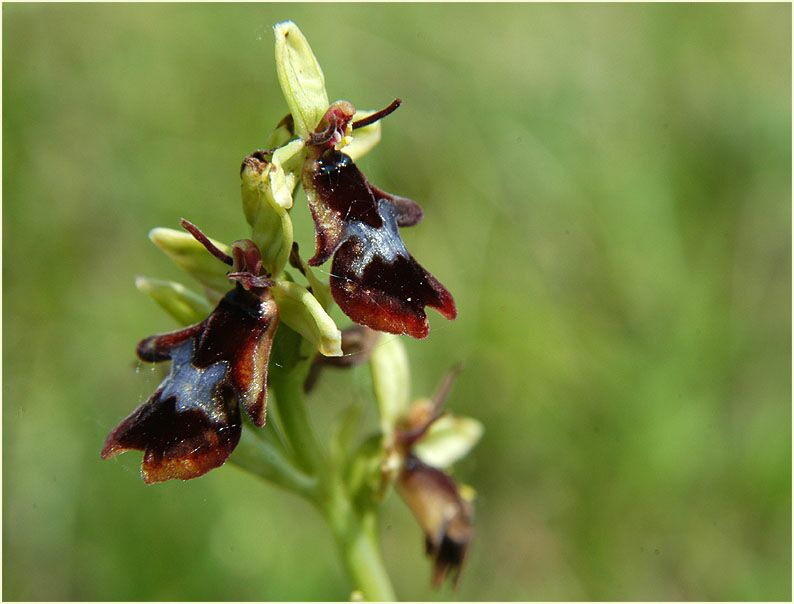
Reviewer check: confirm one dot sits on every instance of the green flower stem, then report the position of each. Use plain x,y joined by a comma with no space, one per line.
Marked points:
288,387
357,539
261,458
354,527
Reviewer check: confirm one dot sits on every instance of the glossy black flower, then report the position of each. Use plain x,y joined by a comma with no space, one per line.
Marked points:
192,422
374,279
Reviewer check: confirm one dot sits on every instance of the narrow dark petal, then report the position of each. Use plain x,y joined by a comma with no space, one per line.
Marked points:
445,517
357,344
155,349
374,278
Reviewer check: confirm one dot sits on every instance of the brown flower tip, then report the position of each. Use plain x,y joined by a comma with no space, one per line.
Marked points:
374,279
444,515
192,423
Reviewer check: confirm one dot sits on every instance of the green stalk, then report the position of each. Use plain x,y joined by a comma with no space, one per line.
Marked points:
288,386
356,537
354,527
262,459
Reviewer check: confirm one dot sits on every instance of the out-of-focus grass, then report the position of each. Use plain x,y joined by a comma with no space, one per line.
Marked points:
607,193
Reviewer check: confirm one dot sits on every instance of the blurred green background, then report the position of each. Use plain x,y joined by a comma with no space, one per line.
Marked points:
607,194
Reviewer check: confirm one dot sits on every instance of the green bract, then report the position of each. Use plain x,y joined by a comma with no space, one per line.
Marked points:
301,78
391,381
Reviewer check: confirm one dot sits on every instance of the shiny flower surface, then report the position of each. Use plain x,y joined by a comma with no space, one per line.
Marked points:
192,422
374,279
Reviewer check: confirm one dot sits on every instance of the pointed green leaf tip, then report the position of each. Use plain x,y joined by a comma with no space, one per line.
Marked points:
301,78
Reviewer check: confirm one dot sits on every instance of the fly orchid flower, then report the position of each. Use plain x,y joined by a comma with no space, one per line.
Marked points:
192,422
374,279
428,440
419,443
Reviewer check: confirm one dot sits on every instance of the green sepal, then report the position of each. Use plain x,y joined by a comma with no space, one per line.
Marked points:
301,78
301,311
281,134
189,255
178,301
320,289
271,225
448,439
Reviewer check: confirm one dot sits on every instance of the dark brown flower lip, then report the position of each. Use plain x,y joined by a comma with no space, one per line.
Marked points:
446,518
192,423
374,279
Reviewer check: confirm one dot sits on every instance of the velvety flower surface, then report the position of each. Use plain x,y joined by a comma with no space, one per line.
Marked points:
444,515
435,499
374,279
192,422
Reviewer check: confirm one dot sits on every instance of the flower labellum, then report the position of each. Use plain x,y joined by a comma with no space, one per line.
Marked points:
192,422
374,278
444,515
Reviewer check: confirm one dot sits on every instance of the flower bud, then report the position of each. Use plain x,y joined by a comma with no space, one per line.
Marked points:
192,257
271,225
177,300
300,77
301,311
